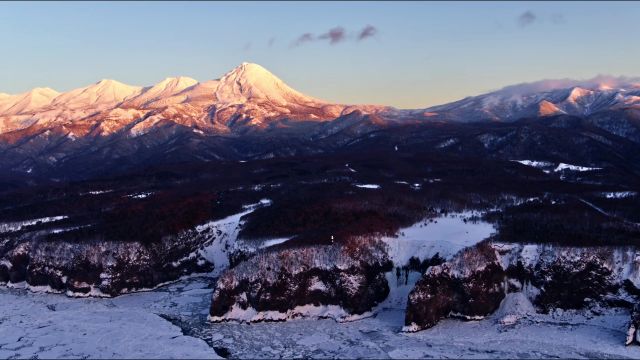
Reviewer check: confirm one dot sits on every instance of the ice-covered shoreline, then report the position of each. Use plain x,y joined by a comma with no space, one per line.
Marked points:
134,325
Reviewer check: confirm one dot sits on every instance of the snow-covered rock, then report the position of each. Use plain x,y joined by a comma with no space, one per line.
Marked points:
95,267
339,281
475,282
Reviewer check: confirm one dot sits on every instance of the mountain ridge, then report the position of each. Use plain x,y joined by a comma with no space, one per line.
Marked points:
245,97
249,113
250,94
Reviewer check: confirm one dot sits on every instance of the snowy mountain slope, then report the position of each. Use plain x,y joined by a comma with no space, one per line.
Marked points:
157,94
247,97
103,93
251,82
108,122
251,95
543,98
26,102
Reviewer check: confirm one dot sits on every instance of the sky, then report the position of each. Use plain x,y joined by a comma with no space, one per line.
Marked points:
404,54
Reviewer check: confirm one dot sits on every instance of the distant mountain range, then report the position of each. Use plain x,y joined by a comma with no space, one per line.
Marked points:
110,125
249,96
546,98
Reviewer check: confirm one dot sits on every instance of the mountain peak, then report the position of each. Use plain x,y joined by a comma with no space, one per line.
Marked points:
112,83
178,80
250,81
105,91
106,81
28,101
161,91
577,92
45,91
249,72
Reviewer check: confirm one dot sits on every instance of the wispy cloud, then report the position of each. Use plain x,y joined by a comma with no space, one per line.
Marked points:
527,18
367,32
304,38
335,35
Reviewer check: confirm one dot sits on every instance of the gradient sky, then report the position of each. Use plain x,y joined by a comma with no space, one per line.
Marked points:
423,53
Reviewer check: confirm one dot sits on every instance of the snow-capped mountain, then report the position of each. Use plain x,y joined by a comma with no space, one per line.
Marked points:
251,94
251,98
157,94
27,102
104,93
545,98
247,96
251,113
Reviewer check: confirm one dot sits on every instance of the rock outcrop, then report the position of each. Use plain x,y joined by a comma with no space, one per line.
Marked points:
100,267
337,281
475,291
476,280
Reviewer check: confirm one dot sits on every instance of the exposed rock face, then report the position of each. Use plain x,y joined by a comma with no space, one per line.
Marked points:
348,279
570,284
442,291
633,335
100,268
475,281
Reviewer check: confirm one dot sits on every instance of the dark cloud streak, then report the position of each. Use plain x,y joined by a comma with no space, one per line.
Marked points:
527,18
367,32
304,38
335,35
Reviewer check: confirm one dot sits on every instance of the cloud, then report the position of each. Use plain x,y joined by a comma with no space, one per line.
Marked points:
335,35
304,38
367,32
527,18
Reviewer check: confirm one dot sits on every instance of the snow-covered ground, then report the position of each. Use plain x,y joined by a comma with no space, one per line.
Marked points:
17,225
171,321
141,195
534,163
141,325
547,167
222,238
367,186
445,235
54,326
563,166
619,194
